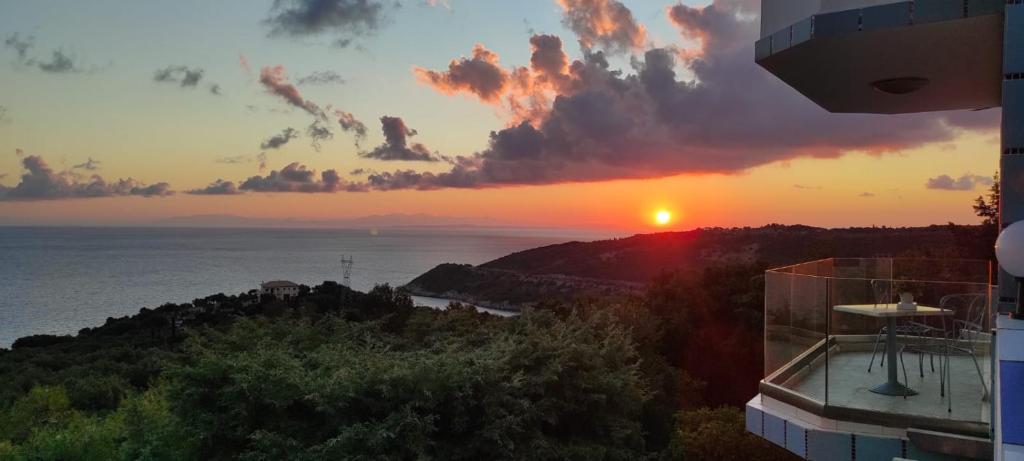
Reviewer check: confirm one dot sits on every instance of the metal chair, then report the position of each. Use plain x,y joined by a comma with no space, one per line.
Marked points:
908,328
968,330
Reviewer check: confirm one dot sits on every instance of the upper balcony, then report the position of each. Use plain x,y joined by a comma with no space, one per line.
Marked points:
886,56
826,343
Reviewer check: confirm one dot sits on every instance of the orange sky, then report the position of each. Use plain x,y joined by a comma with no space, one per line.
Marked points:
829,195
109,108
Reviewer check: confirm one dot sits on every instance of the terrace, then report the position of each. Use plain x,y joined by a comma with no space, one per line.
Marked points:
824,344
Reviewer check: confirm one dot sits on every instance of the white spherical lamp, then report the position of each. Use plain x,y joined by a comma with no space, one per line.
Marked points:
1010,253
1010,249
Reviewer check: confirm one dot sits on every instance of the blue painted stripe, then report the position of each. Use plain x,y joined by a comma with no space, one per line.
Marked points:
833,446
869,447
754,418
795,436
1011,396
775,429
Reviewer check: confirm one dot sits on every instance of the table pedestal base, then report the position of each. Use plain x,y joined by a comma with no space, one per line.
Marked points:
896,389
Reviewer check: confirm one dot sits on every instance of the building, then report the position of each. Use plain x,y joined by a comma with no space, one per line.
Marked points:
958,389
280,289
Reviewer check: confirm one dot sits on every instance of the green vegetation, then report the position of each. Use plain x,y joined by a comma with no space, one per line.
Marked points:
337,374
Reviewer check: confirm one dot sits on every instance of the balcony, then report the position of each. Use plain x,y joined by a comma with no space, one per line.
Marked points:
824,347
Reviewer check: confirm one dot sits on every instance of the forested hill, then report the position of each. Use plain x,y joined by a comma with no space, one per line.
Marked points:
567,270
641,257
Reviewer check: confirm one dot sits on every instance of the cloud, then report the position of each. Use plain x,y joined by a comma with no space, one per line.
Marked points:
278,140
346,20
396,144
523,92
215,89
296,177
59,63
3,113
234,160
866,194
318,133
182,75
90,165
965,182
479,75
350,124
40,182
20,45
262,159
218,187
724,116
243,62
605,23
322,77
275,80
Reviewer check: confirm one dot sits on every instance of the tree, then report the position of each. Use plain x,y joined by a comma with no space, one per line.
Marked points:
988,210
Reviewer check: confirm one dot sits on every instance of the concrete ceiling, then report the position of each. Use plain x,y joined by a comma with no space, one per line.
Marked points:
962,60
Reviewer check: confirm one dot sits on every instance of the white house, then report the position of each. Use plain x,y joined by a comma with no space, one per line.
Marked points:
280,289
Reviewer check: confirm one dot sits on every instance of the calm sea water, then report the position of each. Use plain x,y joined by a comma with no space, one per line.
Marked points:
59,280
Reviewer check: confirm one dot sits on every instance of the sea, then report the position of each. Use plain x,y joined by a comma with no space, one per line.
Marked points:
58,280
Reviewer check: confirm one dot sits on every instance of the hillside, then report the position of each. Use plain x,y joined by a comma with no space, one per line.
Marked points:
565,271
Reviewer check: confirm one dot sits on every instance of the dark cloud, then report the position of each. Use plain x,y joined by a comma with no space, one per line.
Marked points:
19,45
547,58
90,165
298,178
160,189
480,75
350,124
726,115
317,133
396,143
322,77
278,140
218,187
59,63
275,80
605,23
964,182
40,182
184,76
215,89
345,20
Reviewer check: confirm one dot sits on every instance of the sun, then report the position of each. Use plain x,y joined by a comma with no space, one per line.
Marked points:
662,217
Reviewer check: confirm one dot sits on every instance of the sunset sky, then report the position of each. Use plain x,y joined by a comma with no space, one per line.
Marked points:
577,113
